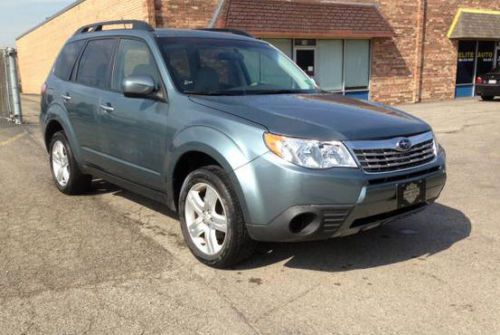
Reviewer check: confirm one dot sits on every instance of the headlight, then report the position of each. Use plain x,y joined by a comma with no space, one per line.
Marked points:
310,153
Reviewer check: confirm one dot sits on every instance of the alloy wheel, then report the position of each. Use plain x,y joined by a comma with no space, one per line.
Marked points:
60,163
206,218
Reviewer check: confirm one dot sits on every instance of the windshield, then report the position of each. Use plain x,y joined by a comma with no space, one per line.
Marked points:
231,67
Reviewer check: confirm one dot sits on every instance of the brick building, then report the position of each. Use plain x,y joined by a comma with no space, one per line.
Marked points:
393,51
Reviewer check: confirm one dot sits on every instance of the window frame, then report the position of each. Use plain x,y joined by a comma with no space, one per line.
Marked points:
313,48
162,87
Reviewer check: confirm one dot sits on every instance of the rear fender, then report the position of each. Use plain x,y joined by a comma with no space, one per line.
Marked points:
58,114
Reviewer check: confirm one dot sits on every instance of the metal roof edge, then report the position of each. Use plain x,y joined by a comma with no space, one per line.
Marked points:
459,13
50,18
480,11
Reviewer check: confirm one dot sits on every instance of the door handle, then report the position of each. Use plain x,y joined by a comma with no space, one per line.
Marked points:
106,108
66,97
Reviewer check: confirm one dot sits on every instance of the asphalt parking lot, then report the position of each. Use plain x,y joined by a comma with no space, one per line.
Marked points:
111,262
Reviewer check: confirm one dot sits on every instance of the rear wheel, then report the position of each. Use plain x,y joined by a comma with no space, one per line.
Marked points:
67,176
211,219
487,97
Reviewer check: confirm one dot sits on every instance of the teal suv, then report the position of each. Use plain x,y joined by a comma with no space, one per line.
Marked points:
230,133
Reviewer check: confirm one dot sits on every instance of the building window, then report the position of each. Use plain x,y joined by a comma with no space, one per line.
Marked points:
341,66
485,57
331,59
357,64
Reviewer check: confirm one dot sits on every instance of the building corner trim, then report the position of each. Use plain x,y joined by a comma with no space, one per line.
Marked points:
217,13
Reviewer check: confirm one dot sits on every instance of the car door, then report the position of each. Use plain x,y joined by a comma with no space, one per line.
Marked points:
135,129
90,85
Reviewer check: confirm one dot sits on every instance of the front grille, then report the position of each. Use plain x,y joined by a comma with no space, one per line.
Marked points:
388,160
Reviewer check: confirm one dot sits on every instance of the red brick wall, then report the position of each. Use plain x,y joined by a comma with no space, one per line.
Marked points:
394,60
184,13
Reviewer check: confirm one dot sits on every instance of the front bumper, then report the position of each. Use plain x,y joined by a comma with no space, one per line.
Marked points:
280,198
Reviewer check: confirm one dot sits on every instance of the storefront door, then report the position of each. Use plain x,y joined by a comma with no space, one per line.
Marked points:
306,60
475,58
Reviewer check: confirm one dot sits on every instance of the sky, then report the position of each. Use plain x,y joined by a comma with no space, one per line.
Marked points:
18,16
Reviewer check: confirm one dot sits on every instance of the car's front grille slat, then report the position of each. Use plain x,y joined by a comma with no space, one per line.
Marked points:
383,164
396,158
377,160
392,152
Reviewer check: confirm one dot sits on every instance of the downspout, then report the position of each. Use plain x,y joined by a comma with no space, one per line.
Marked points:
419,50
216,15
13,84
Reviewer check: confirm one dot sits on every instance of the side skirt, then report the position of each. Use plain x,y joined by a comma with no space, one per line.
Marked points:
128,185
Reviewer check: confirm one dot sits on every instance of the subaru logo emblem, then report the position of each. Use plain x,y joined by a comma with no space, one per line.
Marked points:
404,145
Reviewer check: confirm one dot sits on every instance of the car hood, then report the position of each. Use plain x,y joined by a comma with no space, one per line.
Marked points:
319,116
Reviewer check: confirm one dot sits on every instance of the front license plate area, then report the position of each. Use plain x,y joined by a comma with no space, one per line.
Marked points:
411,194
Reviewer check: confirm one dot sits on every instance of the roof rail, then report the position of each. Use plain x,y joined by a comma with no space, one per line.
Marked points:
229,31
136,25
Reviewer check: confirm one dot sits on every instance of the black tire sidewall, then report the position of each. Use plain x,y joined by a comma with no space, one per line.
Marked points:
212,177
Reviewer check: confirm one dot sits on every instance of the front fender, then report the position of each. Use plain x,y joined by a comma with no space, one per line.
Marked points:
230,152
213,142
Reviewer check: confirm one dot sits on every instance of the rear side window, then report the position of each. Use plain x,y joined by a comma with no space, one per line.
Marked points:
66,61
95,64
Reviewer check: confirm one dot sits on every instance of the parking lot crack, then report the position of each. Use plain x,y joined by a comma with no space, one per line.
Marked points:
286,303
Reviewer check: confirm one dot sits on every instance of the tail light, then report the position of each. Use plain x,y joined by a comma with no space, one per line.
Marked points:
480,80
44,89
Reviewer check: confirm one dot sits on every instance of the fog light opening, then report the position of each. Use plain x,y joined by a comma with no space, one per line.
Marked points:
301,222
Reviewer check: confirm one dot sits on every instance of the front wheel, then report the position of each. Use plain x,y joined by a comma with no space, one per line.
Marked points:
67,176
211,219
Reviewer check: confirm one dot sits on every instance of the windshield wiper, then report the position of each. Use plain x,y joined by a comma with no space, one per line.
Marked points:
284,91
250,92
214,93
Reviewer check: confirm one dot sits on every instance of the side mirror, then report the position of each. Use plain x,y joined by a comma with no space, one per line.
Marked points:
139,86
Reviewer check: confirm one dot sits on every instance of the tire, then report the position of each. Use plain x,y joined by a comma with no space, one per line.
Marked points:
231,247
73,181
487,97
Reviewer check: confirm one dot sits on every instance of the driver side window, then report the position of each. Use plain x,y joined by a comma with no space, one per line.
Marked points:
133,59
